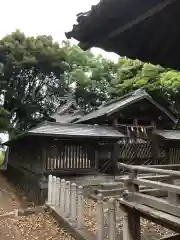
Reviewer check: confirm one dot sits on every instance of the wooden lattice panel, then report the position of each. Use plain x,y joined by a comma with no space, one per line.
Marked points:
174,155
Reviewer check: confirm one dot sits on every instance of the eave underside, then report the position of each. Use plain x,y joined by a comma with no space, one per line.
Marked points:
154,39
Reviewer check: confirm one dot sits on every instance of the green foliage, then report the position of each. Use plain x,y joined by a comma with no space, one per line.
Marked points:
31,76
36,72
4,120
2,155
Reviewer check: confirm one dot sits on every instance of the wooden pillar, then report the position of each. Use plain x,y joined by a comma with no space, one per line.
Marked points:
134,227
115,155
155,149
43,156
115,122
97,149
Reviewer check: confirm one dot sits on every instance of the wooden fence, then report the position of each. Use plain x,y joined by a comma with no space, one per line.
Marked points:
119,218
98,219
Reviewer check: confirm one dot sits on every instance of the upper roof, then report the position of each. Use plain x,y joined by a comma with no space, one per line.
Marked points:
62,115
114,106
71,131
169,134
145,30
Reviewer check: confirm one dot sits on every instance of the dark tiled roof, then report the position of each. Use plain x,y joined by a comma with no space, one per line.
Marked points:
123,27
169,134
71,131
113,106
75,130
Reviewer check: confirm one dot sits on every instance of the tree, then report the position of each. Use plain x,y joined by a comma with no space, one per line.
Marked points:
162,84
90,75
31,76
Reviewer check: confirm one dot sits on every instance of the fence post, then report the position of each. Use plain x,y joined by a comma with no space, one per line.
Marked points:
100,217
50,189
112,219
53,190
80,213
62,196
134,226
125,227
173,198
57,191
73,202
67,198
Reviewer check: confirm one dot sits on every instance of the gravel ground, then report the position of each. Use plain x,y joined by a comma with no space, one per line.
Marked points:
32,227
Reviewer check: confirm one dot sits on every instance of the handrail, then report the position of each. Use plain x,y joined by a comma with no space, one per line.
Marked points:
149,169
168,166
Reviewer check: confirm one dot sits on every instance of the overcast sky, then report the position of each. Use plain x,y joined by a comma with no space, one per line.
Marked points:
35,17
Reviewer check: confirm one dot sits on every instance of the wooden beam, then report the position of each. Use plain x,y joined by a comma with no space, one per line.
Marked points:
149,169
154,202
155,192
169,166
174,237
140,18
164,219
160,185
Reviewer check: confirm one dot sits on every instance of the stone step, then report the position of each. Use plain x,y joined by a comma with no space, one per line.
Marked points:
106,198
109,192
111,185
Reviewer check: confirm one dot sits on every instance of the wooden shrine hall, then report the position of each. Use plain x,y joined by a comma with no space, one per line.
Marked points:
60,149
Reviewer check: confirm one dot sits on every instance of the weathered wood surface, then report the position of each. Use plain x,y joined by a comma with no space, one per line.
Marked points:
169,166
174,237
154,202
149,169
163,186
164,219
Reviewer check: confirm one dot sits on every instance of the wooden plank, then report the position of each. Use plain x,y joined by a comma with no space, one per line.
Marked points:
174,237
156,177
157,203
155,192
164,219
160,185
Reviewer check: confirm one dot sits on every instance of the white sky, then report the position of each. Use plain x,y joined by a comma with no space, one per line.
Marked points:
36,17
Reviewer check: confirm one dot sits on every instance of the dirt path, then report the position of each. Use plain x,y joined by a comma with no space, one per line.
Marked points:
33,227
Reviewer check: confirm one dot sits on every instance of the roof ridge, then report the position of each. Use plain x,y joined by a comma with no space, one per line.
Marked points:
136,92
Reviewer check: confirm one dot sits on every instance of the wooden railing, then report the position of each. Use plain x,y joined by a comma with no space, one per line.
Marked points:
165,212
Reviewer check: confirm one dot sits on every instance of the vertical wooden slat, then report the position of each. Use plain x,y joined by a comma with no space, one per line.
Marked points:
70,155
77,159
75,155
63,156
66,158
83,159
